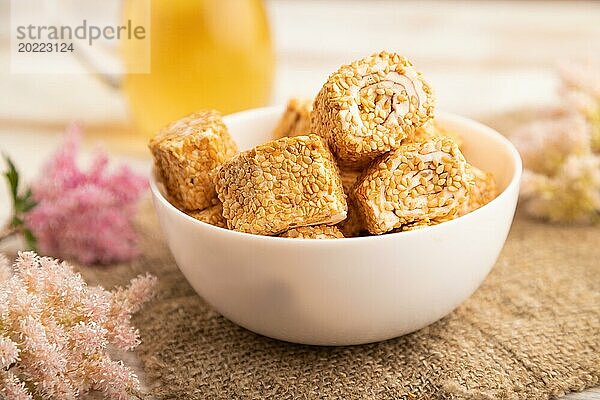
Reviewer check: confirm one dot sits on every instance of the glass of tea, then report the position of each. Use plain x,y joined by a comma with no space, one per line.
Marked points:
203,54
199,54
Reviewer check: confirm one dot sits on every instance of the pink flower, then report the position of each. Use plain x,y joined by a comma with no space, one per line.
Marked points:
85,216
561,151
40,357
546,143
12,388
88,338
139,289
113,379
571,195
5,270
56,331
9,352
581,76
125,336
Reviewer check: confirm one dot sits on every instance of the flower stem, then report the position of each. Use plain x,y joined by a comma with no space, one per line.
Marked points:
8,231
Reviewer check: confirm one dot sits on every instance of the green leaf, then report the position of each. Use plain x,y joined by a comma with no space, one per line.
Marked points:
12,176
28,202
16,221
18,203
29,239
21,204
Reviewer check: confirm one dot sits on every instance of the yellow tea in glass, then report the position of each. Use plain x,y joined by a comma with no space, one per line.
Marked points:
204,54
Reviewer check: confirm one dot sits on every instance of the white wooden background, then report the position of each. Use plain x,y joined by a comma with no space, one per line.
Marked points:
481,57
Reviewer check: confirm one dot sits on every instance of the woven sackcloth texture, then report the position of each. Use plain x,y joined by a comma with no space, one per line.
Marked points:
531,331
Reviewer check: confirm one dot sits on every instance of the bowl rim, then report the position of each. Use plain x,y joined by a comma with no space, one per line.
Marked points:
260,112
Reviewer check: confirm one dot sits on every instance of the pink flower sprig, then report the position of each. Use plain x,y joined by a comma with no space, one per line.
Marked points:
55,331
561,151
86,216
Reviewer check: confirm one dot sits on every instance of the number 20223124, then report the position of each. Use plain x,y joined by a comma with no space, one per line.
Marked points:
36,47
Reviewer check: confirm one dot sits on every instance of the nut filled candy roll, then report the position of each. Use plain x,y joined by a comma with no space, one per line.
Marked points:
353,225
419,183
484,191
367,108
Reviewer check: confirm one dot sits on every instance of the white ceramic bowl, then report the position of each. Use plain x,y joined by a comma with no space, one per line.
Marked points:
354,290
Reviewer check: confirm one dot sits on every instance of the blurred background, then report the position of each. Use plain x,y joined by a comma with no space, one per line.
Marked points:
481,57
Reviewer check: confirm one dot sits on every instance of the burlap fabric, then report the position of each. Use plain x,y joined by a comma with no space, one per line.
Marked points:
532,331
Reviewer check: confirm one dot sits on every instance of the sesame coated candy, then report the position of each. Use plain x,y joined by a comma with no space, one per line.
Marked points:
211,215
174,202
280,185
425,132
295,120
430,130
425,182
484,191
314,232
186,152
416,225
354,224
367,108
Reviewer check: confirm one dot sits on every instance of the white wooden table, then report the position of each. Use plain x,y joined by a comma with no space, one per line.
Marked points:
481,57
